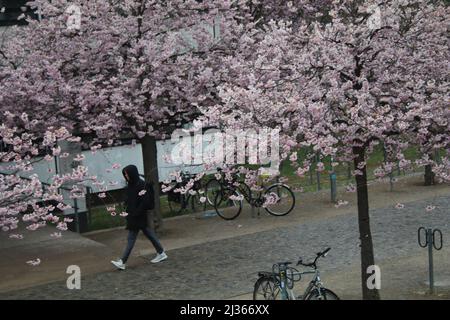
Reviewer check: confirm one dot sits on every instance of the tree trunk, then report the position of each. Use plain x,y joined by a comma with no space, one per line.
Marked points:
149,155
367,254
429,174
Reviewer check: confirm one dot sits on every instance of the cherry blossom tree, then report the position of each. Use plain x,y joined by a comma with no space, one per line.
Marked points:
342,78
106,77
109,70
26,199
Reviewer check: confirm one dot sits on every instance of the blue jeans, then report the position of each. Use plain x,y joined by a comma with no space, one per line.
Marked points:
132,236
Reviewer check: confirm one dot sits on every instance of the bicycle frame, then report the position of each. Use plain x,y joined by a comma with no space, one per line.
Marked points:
315,283
246,192
288,293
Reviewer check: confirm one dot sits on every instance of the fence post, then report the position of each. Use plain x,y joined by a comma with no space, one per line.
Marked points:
318,173
391,178
333,182
253,211
88,205
77,220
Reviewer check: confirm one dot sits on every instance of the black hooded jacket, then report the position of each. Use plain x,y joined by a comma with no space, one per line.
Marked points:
136,205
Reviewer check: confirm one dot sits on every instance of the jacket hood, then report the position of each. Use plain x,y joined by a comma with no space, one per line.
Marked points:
132,172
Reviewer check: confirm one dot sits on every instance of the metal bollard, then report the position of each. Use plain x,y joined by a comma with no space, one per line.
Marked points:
333,186
429,235
318,181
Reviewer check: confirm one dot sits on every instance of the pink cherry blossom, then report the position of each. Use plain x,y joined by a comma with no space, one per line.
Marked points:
62,226
341,203
56,235
79,157
399,206
16,236
34,262
293,157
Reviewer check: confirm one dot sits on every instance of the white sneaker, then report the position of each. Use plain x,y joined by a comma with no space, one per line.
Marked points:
159,257
119,264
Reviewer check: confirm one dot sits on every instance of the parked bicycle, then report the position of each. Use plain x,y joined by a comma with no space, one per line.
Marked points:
279,284
229,193
179,202
214,185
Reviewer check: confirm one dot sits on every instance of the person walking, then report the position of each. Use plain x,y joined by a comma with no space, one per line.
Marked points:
137,202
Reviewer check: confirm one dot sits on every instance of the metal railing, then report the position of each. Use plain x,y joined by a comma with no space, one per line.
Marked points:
74,200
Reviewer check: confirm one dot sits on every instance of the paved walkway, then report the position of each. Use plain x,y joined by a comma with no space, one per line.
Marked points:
55,254
191,230
227,268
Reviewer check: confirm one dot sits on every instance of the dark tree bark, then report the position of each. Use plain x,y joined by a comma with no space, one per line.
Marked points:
429,174
149,155
367,254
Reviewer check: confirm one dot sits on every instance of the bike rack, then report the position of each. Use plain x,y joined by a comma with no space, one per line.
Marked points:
426,237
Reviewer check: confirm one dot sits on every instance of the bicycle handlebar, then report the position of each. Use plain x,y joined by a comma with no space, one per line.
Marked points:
314,263
324,252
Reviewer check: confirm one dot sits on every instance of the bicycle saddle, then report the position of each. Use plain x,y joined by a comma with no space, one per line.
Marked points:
284,263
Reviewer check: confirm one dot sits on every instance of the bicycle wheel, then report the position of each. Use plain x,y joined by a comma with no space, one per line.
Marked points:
228,203
325,294
280,199
266,288
196,204
177,203
211,189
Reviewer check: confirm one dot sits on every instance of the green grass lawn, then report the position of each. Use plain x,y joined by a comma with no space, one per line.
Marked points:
101,219
343,177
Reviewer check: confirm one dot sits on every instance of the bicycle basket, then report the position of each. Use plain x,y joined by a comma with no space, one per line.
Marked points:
292,275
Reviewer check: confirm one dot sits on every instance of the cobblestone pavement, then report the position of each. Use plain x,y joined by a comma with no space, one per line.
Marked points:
227,268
